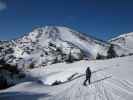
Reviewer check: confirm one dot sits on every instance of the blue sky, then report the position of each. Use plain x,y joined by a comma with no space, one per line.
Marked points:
102,19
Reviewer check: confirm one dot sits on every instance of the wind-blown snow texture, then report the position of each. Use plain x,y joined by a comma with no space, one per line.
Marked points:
111,80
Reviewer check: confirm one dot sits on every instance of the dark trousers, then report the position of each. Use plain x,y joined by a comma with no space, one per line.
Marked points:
88,78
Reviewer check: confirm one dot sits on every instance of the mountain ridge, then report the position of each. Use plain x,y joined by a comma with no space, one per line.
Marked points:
125,41
60,37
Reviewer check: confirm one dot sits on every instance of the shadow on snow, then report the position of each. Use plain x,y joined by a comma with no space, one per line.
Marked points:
22,96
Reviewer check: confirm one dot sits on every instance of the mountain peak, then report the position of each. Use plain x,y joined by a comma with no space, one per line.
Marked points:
50,32
54,29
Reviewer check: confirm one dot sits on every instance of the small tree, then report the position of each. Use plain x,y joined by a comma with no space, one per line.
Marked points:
111,52
99,56
3,83
31,65
55,60
70,58
2,62
56,83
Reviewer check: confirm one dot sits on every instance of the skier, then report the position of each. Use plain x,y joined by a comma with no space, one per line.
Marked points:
88,76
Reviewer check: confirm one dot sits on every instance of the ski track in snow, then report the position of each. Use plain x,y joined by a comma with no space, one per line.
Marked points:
107,89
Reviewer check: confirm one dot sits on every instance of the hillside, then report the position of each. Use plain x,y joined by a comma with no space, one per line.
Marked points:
111,80
124,40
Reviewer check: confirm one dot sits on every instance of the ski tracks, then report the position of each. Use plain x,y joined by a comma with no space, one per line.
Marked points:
103,86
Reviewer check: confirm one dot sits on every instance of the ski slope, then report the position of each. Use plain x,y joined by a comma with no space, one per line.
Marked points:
111,80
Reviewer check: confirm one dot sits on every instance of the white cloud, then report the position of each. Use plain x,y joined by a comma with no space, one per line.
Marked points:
2,6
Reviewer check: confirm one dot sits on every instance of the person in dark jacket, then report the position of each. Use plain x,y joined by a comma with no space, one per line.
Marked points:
88,76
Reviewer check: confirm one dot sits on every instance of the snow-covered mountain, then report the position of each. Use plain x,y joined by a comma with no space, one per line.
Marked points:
51,44
124,41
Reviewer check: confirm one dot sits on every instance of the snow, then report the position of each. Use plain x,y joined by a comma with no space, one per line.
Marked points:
61,35
111,80
34,47
125,41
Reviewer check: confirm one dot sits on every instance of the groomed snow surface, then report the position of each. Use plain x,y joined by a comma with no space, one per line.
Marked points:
111,80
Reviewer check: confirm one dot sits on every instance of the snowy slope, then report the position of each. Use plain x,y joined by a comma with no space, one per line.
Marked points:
111,80
125,41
